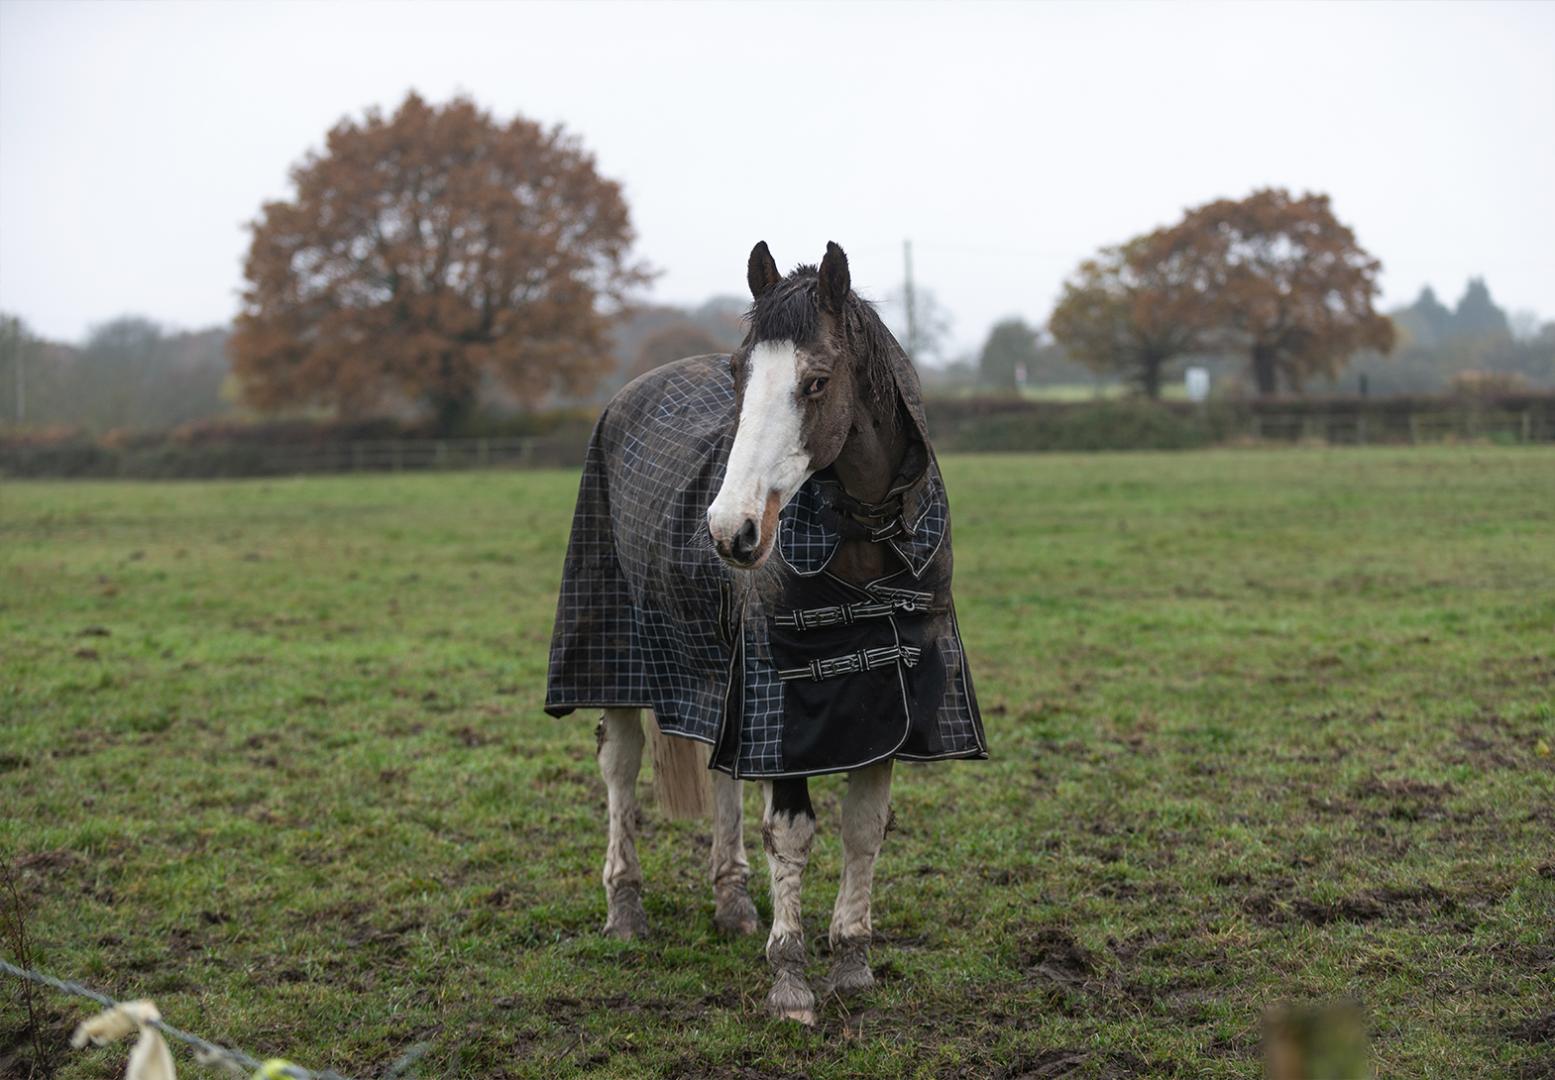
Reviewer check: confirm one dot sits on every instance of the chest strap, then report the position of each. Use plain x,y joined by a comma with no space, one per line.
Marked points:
889,601
852,663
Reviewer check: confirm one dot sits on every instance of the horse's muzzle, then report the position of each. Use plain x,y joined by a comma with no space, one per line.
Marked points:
742,539
744,550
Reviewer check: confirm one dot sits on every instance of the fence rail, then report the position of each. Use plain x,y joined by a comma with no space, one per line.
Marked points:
402,455
1530,423
1413,428
85,459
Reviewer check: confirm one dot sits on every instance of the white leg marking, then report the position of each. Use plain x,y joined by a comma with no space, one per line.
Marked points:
620,759
866,810
786,838
733,911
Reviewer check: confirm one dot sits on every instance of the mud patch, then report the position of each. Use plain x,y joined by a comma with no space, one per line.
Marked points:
1406,903
1057,1063
1052,955
467,736
1408,799
21,1054
1538,1030
1275,905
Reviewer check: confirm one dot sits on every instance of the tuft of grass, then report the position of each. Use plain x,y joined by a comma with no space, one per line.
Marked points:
1265,729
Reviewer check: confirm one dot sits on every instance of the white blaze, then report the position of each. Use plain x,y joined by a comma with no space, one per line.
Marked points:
768,453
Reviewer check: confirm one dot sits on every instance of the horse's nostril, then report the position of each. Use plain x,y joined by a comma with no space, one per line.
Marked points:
745,540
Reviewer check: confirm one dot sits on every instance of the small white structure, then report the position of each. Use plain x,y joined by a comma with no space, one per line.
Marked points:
1196,381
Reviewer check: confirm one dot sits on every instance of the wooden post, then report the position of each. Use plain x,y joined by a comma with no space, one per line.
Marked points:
1414,428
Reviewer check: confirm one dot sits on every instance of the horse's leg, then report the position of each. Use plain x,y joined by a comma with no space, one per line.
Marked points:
733,912
620,758
786,831
866,810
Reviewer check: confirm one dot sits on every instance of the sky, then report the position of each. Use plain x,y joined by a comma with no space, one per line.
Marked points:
1007,141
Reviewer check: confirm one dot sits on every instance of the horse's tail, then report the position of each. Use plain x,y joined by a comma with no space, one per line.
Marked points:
680,775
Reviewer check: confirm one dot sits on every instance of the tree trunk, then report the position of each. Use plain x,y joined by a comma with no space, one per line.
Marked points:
1264,373
1150,377
450,410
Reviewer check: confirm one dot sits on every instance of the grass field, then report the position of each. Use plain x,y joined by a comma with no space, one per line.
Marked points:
1266,726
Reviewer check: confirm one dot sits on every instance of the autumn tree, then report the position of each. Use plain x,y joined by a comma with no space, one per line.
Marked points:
424,253
1132,310
1286,280
679,339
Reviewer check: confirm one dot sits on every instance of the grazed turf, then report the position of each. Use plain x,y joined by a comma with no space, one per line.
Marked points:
1266,726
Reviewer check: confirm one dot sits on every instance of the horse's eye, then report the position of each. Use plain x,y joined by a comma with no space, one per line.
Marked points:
815,386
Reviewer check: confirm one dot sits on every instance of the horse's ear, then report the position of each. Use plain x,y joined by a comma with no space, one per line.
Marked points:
761,272
835,281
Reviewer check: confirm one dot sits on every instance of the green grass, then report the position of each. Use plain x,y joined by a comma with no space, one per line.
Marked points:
1265,727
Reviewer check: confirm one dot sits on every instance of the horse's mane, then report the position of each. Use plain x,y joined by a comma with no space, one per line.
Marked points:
791,311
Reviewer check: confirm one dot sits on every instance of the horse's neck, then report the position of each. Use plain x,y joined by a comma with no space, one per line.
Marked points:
870,460
872,455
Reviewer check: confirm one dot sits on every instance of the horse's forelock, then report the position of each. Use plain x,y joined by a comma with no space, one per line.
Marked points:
791,311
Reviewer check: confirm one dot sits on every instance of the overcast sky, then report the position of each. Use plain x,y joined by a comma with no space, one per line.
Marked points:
1008,141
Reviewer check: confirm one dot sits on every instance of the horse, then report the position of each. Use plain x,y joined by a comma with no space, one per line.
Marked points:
761,555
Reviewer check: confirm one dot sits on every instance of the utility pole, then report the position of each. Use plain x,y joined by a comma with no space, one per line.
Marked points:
911,301
13,331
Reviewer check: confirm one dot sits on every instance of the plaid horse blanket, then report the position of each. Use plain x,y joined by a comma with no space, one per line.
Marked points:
786,670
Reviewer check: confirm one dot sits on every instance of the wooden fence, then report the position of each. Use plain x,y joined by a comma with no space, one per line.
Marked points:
414,455
955,425
1413,428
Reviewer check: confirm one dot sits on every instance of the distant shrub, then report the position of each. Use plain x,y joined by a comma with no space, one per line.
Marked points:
1114,425
1487,384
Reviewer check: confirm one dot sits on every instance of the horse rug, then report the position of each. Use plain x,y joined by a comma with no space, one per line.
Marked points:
786,670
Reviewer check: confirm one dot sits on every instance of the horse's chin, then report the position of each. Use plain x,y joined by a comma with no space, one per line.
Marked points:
755,564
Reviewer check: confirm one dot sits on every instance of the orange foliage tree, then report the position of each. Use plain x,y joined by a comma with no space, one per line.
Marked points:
1130,311
679,339
425,253
1284,280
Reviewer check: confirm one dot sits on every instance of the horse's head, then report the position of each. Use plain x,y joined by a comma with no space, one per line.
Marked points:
797,378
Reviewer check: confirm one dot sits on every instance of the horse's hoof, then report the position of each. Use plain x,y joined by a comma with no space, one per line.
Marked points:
734,915
850,973
626,919
791,999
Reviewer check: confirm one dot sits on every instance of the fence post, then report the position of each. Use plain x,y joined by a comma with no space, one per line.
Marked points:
1360,429
1414,428
441,460
1527,426
484,455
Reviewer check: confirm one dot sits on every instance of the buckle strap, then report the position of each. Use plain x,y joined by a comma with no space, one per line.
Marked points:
904,599
836,615
852,663
889,601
